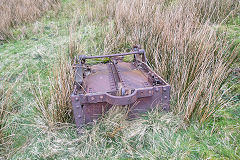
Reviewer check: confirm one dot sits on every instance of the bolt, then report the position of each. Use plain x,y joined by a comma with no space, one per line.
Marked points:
164,89
92,98
165,97
101,97
79,116
149,92
156,89
77,99
77,106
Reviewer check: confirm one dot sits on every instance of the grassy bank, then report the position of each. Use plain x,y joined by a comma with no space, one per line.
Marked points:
37,60
15,13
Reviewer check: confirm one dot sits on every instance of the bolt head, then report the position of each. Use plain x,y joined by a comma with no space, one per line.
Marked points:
164,89
77,99
165,97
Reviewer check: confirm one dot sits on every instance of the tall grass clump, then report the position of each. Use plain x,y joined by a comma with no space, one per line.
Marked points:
183,45
16,12
5,110
55,106
115,137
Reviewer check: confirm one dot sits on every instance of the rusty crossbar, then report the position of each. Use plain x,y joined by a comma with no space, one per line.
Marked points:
111,55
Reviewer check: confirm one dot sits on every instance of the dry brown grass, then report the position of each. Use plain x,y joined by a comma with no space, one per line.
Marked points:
16,12
5,98
6,108
56,108
181,41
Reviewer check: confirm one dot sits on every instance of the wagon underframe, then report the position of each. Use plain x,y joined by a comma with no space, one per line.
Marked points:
131,84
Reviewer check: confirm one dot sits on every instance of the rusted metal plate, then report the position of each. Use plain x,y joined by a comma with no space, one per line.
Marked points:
98,80
129,84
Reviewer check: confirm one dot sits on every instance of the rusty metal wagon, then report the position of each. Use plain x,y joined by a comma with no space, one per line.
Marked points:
116,82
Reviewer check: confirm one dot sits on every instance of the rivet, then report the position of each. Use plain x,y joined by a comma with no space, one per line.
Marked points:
149,92
79,116
76,98
164,89
78,106
101,97
157,89
165,97
92,98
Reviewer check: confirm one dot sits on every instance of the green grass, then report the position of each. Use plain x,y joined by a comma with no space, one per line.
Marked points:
154,136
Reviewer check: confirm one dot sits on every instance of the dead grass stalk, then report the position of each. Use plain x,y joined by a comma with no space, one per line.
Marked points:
182,44
14,13
57,107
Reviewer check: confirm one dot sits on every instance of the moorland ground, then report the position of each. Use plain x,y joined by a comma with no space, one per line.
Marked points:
194,45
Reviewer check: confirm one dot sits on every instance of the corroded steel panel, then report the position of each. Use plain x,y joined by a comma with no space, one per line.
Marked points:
115,82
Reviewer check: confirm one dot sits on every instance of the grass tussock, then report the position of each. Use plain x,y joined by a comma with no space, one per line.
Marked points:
114,137
156,135
5,98
6,108
181,40
14,13
55,105
183,45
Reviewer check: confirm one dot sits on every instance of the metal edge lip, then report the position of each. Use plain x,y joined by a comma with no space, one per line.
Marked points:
120,100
